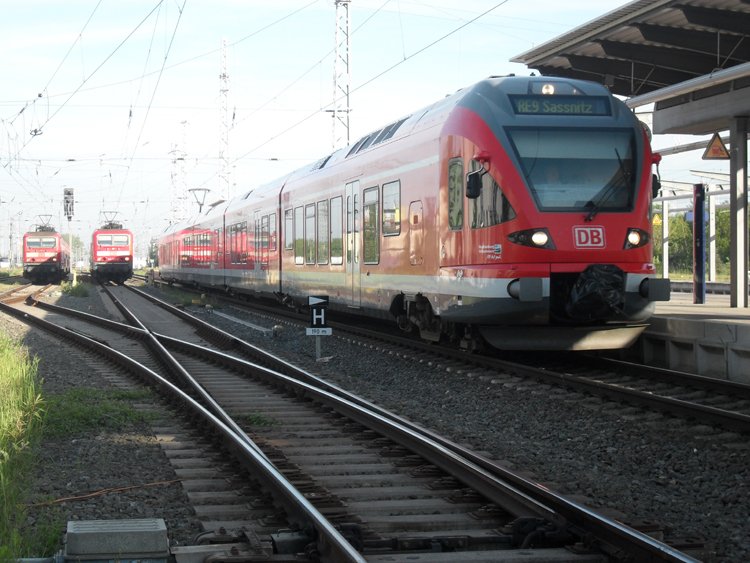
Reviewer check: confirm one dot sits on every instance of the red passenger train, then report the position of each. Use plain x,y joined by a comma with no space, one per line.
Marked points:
111,253
516,212
46,256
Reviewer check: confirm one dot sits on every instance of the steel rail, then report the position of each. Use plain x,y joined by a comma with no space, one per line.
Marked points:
333,547
431,446
727,419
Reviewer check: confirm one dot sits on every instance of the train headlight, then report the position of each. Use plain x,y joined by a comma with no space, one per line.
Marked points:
548,89
535,238
540,238
636,238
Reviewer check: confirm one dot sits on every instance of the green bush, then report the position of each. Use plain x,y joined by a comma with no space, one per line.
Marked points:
77,290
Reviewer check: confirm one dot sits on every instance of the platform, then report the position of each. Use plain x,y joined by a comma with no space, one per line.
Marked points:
712,339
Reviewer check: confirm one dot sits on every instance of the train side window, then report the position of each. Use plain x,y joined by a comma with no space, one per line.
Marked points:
238,243
230,242
264,239
235,241
323,230
243,243
392,209
491,207
288,229
310,234
299,235
272,232
456,194
337,230
254,246
370,226
216,246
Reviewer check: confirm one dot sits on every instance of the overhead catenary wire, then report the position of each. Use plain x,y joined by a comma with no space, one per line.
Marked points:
101,64
153,95
373,78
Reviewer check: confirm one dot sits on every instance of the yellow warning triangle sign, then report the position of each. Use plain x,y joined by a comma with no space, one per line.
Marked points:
716,150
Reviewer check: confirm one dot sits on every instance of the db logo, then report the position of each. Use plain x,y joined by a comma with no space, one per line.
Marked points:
588,237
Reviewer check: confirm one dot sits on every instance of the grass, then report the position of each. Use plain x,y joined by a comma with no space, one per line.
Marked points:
26,419
21,418
84,409
77,290
259,420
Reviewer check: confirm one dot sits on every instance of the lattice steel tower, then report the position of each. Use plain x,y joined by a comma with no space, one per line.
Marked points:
178,190
223,194
341,76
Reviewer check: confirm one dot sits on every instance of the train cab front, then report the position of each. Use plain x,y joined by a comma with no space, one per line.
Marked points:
567,178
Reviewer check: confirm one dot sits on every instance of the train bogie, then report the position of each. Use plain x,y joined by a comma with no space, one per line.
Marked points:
515,212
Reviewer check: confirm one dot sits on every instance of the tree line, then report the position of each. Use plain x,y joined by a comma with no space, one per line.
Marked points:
681,243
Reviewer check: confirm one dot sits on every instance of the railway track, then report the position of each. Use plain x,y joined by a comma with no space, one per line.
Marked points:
330,447
711,401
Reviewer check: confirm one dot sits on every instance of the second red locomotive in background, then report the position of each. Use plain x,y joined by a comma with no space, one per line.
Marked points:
111,253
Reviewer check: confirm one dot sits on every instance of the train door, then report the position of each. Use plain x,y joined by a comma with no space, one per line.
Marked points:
352,244
416,234
451,217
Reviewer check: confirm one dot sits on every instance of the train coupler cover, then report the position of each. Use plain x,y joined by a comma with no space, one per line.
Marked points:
598,293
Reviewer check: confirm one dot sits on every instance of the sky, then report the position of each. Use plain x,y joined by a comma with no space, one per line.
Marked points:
134,103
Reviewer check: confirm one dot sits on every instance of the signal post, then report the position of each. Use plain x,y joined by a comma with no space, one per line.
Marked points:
68,207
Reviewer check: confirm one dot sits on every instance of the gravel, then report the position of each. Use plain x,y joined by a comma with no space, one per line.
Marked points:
640,466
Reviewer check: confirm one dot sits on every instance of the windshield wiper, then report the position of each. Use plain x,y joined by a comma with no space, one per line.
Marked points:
595,203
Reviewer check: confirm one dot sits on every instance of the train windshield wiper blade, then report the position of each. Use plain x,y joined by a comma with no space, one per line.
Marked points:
594,204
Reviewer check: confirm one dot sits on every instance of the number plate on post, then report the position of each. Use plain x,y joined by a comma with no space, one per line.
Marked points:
318,331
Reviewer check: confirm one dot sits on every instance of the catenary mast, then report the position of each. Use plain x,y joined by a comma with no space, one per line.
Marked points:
341,76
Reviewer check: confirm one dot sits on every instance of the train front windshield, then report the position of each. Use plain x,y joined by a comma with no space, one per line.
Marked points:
40,242
112,240
580,170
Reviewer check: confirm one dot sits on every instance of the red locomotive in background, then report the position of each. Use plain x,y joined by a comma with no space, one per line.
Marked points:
111,253
515,212
46,255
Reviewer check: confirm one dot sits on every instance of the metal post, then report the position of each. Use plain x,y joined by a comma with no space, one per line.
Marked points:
665,239
711,237
738,212
699,244
70,244
68,207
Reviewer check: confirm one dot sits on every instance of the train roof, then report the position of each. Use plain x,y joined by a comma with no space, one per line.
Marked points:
437,112
112,226
472,97
42,231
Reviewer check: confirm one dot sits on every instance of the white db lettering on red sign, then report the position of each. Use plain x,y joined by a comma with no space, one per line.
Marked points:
589,237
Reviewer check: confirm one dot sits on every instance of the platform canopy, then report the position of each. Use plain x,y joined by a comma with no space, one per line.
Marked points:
649,44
